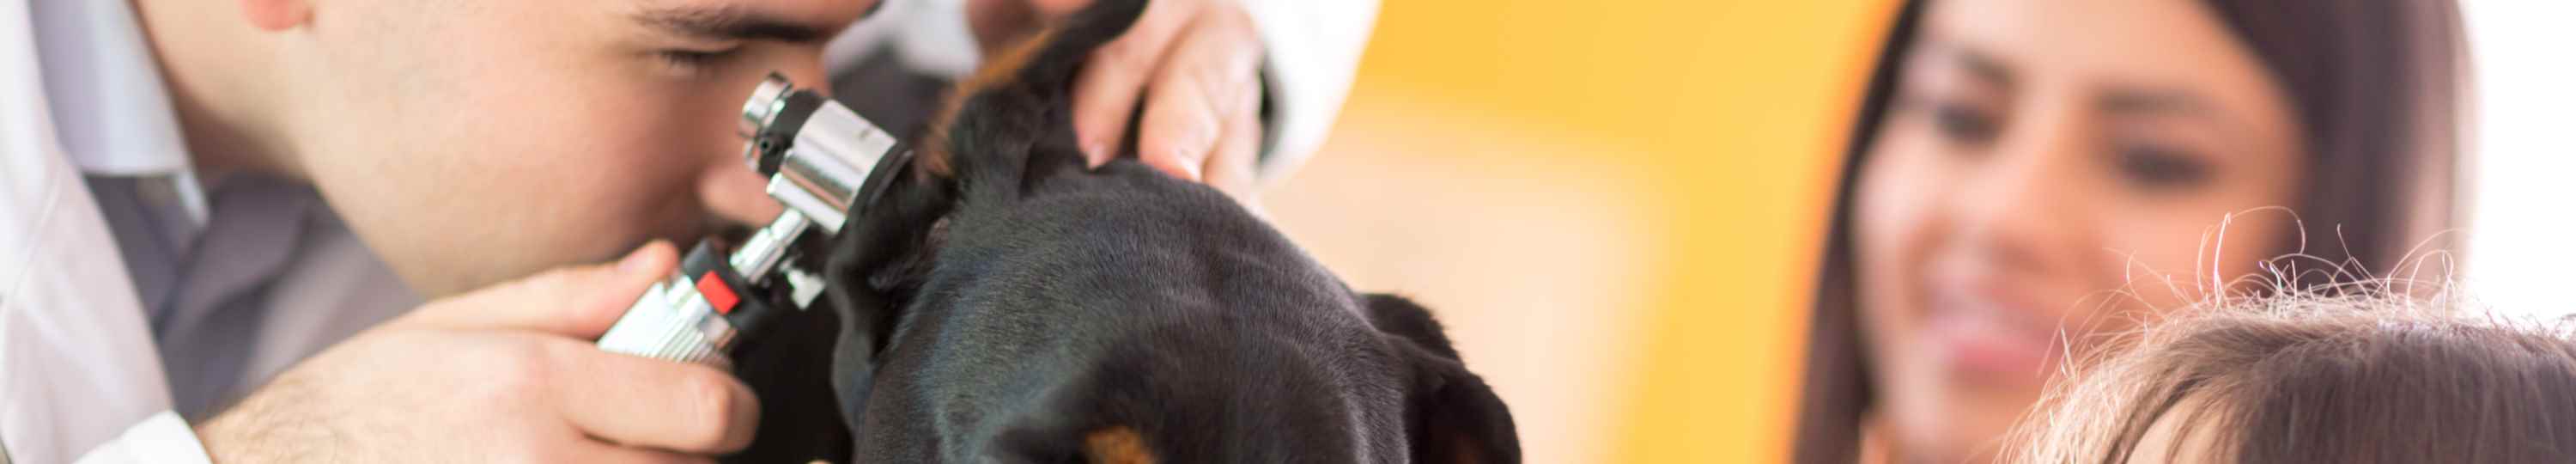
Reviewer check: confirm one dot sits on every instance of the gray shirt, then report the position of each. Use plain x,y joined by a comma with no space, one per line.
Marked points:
270,278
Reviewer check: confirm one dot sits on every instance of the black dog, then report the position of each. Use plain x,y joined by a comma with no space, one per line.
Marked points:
1003,303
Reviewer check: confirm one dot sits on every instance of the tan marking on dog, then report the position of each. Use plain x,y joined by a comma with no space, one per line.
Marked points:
1466,448
1116,445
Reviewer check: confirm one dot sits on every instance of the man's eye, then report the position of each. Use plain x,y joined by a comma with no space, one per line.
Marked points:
693,61
2157,167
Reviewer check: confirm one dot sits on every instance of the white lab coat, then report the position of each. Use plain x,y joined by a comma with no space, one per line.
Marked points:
77,362
80,376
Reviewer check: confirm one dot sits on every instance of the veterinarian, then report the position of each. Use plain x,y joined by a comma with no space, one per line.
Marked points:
2028,174
222,217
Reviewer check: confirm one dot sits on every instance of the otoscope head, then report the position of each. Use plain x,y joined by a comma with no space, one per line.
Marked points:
819,155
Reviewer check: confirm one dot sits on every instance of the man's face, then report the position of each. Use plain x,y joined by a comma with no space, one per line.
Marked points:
472,141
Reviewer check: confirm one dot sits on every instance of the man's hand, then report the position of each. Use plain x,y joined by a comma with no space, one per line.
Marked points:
503,374
1196,64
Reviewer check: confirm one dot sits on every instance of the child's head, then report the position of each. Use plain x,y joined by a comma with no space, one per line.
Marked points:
2320,379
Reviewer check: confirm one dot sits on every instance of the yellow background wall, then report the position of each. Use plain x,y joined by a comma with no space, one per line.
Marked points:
1615,205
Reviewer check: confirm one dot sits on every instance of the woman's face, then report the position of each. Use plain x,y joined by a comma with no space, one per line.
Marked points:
2048,169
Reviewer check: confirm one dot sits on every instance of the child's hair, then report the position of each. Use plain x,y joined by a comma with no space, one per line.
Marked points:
2319,378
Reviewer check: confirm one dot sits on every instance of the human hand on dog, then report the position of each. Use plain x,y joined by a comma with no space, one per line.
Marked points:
1196,66
503,374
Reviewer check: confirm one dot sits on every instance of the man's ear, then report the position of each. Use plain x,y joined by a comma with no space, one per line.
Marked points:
1452,416
276,15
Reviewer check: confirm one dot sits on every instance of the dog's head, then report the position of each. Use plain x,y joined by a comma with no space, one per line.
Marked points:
1004,303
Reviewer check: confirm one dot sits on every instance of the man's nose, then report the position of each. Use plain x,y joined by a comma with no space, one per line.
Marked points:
731,190
736,194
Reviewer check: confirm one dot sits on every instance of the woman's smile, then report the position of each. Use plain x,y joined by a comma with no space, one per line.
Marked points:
1984,335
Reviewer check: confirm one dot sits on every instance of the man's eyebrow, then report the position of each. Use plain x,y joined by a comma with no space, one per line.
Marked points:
732,22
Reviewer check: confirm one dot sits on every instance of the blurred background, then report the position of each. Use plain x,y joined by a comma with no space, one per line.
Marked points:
1613,206
1616,206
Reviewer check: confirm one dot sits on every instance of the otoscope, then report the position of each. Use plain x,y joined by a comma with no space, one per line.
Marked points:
825,164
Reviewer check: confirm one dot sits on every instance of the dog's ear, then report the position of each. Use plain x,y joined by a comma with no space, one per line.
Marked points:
1020,97
879,257
1395,315
1452,415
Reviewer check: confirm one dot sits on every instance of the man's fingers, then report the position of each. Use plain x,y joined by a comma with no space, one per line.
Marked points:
1210,79
1180,127
579,302
638,401
1104,96
604,452
1235,166
1058,9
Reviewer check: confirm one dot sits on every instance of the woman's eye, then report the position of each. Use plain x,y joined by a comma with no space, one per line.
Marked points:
1963,123
2158,167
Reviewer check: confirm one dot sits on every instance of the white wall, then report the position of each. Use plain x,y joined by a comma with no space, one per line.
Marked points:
2521,247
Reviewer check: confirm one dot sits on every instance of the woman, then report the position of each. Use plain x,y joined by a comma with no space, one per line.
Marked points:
2024,173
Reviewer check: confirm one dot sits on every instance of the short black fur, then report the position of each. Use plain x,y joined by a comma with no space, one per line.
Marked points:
1005,310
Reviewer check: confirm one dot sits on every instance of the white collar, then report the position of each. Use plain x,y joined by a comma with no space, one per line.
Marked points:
110,111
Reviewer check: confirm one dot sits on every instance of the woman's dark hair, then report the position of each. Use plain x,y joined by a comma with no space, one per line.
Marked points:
2374,86
2358,378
